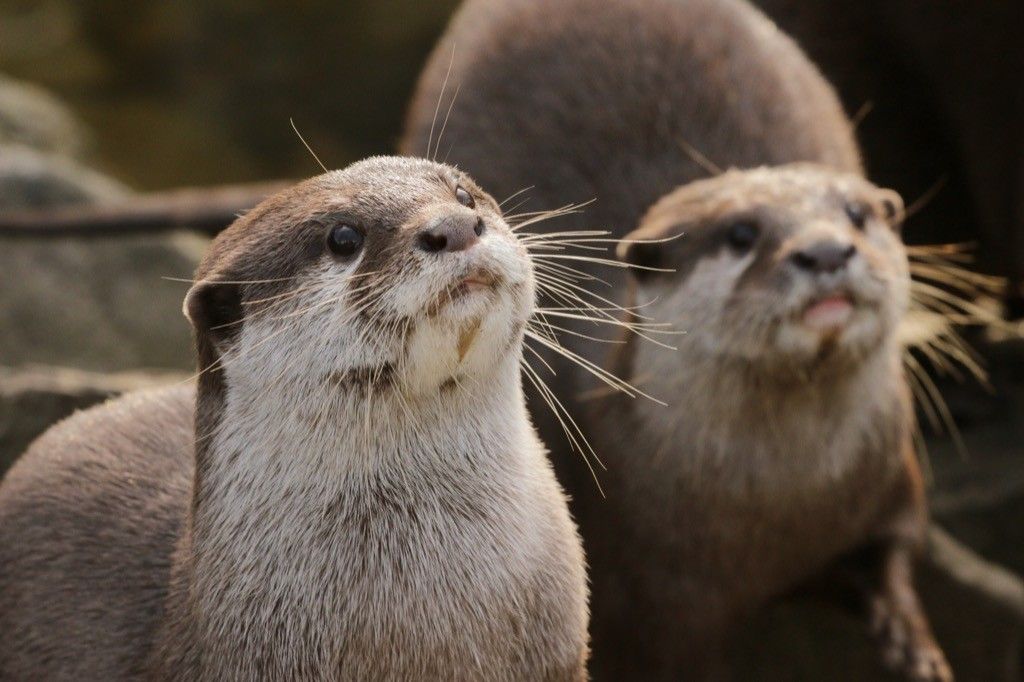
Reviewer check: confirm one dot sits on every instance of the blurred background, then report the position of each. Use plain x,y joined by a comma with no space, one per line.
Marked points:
104,99
196,92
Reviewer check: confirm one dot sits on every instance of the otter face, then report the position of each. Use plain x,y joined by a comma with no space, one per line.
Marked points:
393,272
780,268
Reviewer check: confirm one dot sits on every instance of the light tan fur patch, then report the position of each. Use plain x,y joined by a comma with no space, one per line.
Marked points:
467,337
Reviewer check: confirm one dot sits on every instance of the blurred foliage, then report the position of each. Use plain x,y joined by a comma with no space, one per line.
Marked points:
200,91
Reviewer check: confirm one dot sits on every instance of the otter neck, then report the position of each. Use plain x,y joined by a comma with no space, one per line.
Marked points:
739,417
318,430
303,492
278,462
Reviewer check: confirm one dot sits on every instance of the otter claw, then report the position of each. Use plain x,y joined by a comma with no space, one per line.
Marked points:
928,664
906,650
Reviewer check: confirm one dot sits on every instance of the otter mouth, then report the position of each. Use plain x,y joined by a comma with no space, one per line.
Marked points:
828,313
477,280
466,286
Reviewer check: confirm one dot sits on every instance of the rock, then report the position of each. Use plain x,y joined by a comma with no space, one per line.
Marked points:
976,610
33,399
94,303
31,116
33,179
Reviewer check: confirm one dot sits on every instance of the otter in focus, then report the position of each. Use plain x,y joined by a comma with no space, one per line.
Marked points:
626,102
353,491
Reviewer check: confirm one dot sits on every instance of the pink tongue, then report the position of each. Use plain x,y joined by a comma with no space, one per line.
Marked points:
828,313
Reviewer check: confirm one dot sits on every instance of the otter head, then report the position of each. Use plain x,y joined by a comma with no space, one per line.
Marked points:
787,270
394,274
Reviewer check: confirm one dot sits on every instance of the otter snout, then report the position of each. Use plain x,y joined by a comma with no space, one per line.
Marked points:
452,232
825,256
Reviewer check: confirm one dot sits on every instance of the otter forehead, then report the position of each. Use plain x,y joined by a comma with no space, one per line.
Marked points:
799,190
379,195
778,206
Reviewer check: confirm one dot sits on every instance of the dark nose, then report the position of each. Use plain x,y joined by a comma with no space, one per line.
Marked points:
452,233
826,256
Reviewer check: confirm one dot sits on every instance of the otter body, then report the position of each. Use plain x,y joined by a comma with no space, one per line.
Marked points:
785,450
352,491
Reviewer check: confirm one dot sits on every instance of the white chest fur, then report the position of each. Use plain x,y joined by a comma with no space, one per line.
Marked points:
341,539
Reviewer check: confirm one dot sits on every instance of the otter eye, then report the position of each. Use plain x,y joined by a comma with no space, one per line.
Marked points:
858,215
344,241
464,197
742,235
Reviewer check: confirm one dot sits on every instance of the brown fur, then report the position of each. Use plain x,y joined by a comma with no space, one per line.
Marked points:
322,516
624,102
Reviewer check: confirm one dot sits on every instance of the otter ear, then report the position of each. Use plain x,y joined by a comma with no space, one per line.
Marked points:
891,204
214,309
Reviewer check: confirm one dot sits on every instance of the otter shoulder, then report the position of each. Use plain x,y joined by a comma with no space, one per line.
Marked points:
89,517
139,436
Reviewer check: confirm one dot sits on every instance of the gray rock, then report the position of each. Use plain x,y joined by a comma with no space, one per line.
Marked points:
33,179
34,398
31,116
94,303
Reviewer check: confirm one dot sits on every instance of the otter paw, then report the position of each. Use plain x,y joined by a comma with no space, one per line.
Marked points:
927,663
907,649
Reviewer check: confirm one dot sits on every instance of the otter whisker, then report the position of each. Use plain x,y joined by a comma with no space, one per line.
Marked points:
566,330
948,273
307,287
600,261
514,195
229,281
575,274
652,327
709,166
540,357
268,337
306,145
440,96
591,236
559,245
320,304
513,208
593,368
918,204
445,124
861,114
925,291
630,309
559,410
561,287
941,418
568,209
951,344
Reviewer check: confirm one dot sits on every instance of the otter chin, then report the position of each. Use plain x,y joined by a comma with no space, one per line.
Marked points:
353,489
829,314
833,324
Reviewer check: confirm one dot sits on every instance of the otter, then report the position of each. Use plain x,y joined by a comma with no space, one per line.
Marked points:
351,491
785,454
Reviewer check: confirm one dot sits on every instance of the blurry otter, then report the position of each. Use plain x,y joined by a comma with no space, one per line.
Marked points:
353,491
786,448
942,80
